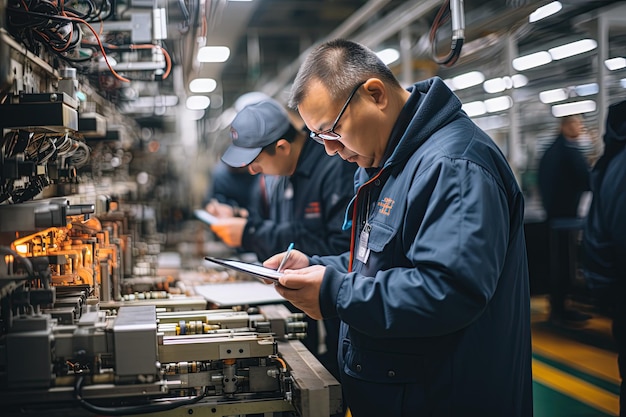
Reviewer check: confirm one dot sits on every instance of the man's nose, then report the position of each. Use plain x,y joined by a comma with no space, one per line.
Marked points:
332,146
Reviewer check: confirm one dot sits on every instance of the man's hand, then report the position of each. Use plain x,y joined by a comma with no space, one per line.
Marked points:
302,288
230,230
297,260
222,210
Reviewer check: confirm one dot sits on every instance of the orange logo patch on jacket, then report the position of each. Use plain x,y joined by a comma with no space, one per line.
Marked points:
385,206
313,210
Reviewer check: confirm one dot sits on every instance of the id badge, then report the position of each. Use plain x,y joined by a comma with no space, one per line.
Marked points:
363,252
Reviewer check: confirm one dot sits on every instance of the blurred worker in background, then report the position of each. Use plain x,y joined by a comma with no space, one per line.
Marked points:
235,188
433,295
604,238
307,201
563,177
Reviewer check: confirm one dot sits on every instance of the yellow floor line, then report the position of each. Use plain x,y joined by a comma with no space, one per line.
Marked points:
594,361
576,388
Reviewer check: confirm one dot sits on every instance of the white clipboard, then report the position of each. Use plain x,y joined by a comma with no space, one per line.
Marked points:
205,216
248,268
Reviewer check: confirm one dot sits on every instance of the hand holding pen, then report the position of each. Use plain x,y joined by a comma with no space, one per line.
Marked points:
287,253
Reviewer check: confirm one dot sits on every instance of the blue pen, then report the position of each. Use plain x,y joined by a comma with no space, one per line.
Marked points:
282,263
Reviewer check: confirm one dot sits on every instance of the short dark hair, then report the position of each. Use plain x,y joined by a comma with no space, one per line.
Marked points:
339,65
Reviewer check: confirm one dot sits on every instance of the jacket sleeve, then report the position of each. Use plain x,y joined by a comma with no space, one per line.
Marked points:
312,237
454,236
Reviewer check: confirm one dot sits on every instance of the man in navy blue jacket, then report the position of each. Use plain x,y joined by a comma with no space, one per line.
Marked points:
563,176
604,238
307,200
433,295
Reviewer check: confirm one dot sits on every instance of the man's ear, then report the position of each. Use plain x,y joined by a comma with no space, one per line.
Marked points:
283,146
377,91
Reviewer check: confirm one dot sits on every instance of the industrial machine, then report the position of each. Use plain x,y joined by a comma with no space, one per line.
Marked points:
72,344
89,324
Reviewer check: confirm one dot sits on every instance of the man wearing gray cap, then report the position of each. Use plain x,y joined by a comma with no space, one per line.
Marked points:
307,201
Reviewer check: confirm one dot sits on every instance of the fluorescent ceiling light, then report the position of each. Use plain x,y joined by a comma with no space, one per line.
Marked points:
213,54
545,11
491,122
197,102
467,80
574,48
388,55
497,104
498,85
494,85
578,107
519,80
202,85
474,108
587,89
615,63
531,61
552,96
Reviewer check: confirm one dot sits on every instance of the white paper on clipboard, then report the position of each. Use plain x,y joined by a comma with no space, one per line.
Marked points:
248,268
205,216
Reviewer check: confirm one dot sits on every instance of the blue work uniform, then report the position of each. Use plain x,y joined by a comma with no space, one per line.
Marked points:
306,208
604,237
434,294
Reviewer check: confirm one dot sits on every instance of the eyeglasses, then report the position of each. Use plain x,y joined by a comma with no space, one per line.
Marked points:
330,134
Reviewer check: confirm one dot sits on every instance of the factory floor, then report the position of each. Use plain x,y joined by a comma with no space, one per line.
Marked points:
574,368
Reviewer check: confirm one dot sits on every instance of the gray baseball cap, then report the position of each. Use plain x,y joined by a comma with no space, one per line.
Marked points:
255,126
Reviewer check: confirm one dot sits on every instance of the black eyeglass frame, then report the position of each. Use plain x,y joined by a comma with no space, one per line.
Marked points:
330,134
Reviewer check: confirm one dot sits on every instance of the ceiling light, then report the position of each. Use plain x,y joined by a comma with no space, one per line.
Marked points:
197,102
552,96
474,108
615,63
545,11
202,85
578,107
495,85
587,89
213,54
497,104
531,61
574,48
467,80
491,122
519,80
388,55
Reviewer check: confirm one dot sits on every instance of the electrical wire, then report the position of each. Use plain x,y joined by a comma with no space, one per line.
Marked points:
442,17
152,407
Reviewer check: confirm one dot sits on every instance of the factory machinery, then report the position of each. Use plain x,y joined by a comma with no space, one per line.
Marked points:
88,324
71,343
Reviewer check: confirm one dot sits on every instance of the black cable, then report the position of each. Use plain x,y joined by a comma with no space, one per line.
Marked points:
131,410
443,15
